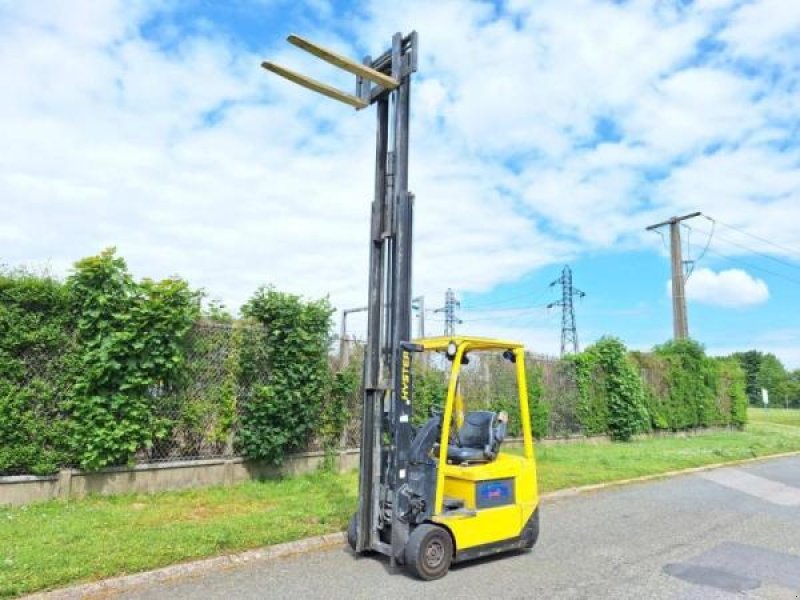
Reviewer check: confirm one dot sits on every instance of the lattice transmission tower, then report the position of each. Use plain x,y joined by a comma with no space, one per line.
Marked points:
449,310
569,332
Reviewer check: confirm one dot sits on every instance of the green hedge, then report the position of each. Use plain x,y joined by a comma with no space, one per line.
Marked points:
132,340
103,370
611,394
676,387
34,326
285,411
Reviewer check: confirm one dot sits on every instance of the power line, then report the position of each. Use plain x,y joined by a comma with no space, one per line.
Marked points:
755,237
502,303
494,303
517,310
748,264
515,320
708,241
504,308
690,263
754,251
756,267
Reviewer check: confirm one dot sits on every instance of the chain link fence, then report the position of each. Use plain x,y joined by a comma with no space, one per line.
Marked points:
198,414
559,393
488,382
201,411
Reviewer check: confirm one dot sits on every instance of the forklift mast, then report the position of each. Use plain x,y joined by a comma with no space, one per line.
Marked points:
385,493
386,423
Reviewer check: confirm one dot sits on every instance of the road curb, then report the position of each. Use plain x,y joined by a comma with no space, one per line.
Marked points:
587,489
115,585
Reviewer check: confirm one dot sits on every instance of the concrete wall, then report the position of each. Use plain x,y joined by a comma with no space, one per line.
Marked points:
159,477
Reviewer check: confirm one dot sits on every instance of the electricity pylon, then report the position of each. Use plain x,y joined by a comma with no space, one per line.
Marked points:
449,310
569,332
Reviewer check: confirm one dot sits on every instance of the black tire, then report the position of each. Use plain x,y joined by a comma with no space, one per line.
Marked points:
531,532
351,532
429,552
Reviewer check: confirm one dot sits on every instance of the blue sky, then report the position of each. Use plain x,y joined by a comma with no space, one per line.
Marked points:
538,139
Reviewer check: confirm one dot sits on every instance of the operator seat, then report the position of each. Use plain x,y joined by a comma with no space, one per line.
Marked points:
479,438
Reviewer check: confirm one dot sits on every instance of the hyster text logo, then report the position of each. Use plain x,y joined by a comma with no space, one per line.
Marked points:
406,385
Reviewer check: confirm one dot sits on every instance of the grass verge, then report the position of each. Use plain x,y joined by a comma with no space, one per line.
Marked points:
53,544
775,416
585,463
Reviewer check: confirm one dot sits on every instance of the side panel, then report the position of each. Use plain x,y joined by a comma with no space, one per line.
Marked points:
494,493
492,524
462,489
527,491
487,526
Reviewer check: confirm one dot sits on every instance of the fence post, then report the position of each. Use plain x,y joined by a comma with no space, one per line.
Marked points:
64,485
227,473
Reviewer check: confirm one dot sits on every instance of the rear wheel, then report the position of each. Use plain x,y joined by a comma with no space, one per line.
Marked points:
351,532
429,552
531,532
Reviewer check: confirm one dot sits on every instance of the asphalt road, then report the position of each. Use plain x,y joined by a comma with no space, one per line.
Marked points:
723,534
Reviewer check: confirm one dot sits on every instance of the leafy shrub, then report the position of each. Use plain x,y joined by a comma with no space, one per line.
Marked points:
539,409
282,414
733,386
34,326
132,351
693,380
339,406
430,391
592,406
623,389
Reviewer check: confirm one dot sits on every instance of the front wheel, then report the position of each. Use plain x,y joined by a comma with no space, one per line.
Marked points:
351,532
429,552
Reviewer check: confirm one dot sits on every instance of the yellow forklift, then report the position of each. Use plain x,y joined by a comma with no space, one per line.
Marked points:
470,499
444,491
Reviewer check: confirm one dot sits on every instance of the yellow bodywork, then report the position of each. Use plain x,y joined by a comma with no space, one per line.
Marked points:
472,526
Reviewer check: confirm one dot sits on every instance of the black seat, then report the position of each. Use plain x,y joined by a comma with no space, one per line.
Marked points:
479,438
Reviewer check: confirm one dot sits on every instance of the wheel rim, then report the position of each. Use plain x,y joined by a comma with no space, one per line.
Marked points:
434,554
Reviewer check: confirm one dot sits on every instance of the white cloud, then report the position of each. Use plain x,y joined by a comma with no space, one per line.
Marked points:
762,28
728,288
192,160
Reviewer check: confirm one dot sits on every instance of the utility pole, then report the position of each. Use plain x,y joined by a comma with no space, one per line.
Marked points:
344,347
418,304
680,322
569,332
449,310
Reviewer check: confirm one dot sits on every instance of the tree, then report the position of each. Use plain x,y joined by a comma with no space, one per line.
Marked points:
751,362
773,377
794,388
